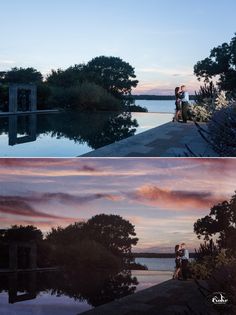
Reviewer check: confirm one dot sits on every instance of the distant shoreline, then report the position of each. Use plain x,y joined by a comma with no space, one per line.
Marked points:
158,97
158,255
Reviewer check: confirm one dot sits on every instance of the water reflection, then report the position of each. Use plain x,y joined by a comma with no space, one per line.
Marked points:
97,129
23,125
29,292
93,287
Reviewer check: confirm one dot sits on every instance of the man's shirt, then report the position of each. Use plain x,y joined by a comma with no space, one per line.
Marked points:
185,255
185,97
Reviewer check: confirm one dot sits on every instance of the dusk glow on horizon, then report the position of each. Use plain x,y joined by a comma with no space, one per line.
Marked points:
161,197
162,40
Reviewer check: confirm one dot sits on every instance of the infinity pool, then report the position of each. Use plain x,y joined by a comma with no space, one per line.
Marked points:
70,134
70,293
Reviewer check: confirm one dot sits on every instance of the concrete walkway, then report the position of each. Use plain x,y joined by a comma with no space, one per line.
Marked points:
169,298
168,140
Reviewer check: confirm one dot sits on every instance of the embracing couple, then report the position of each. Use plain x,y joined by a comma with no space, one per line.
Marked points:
182,104
181,261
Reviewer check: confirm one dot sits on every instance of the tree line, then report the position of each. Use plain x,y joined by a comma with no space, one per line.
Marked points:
104,83
104,241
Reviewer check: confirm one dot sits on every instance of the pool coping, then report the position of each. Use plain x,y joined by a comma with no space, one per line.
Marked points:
170,297
43,111
168,140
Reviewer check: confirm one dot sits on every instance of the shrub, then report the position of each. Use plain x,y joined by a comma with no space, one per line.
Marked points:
84,253
206,267
84,96
204,111
222,131
200,113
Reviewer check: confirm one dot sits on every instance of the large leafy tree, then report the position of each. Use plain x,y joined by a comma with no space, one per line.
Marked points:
112,73
65,236
221,223
221,63
22,234
21,75
113,232
104,240
67,78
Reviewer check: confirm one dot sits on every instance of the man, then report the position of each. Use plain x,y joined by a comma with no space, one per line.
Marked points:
185,103
184,261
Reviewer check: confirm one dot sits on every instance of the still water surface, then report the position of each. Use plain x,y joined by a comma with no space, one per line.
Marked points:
157,106
70,134
70,293
157,264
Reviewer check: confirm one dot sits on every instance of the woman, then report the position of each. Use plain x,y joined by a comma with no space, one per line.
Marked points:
177,262
178,104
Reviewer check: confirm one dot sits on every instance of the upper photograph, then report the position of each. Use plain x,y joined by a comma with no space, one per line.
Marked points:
122,79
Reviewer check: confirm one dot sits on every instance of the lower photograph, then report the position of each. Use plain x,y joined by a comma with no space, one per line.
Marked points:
118,236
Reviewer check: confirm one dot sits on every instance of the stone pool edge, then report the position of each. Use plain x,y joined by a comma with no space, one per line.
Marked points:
168,140
170,297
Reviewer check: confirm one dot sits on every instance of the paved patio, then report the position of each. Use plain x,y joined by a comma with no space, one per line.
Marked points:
169,140
169,298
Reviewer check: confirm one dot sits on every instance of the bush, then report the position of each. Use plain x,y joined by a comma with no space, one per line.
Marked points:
222,129
200,113
137,266
204,108
137,108
208,265
84,253
84,96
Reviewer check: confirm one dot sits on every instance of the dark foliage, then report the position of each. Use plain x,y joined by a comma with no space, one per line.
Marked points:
207,91
206,249
113,74
221,221
222,131
102,84
222,63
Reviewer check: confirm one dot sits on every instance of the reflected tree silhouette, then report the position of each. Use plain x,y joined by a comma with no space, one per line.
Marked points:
97,129
96,287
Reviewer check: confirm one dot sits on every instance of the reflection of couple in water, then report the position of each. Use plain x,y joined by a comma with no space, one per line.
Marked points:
181,261
182,104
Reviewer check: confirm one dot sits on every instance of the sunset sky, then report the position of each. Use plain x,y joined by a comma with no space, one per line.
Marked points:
161,39
161,197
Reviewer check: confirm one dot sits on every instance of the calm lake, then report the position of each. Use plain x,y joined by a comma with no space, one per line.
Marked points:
50,293
70,134
157,106
157,264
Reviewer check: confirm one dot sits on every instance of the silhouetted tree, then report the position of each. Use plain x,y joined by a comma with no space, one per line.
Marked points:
220,222
222,63
103,241
22,75
99,85
22,234
112,73
67,78
67,235
115,233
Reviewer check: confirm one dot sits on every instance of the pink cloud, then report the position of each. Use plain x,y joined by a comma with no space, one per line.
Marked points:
173,199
